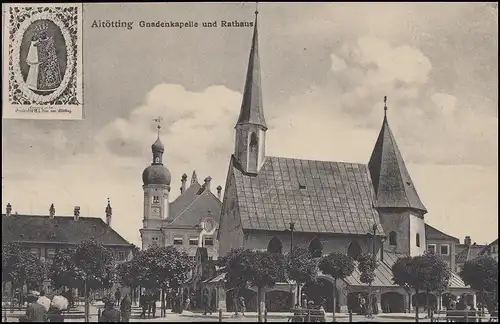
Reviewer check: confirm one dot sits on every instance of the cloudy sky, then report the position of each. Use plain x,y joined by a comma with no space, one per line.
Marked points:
325,70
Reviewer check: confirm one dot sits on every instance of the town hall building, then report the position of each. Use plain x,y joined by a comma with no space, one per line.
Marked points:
188,222
330,206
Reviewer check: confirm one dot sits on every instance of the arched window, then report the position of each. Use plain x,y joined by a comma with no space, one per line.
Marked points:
275,246
157,160
253,141
316,248
354,250
417,237
393,238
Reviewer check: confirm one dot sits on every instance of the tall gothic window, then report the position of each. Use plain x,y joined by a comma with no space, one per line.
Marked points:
354,250
316,248
417,238
393,238
275,246
253,142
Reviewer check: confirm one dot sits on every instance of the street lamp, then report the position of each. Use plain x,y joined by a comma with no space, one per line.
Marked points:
370,298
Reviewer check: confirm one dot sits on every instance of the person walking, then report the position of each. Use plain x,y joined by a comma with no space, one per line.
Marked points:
118,296
241,305
34,311
125,308
187,303
205,305
143,302
153,303
109,314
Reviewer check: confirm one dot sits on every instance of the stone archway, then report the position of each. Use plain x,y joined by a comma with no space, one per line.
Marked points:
420,300
279,301
321,293
392,302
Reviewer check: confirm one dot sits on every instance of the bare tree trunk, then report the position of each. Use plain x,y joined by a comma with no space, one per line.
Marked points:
259,302
416,306
86,305
163,303
427,304
334,298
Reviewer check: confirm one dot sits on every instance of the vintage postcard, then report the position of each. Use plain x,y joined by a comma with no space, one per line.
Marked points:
42,61
250,162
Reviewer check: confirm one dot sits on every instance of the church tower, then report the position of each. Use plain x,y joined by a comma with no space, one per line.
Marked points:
251,126
156,185
396,199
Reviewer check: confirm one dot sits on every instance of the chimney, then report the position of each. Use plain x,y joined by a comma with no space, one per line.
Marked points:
8,210
207,183
76,213
467,241
219,190
52,211
109,213
183,182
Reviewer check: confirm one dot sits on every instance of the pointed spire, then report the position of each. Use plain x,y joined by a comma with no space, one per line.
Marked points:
252,111
194,178
390,177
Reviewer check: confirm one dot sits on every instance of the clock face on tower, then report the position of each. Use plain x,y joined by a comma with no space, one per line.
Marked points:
155,211
209,224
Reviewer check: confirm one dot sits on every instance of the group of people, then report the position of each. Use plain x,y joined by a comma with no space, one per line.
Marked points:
147,302
316,313
111,314
36,312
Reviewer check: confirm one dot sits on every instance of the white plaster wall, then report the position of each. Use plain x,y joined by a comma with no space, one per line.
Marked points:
417,225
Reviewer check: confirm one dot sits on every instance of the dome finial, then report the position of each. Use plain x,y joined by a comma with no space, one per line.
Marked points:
158,126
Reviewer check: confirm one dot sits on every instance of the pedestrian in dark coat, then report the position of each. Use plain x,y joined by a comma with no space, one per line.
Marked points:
118,296
143,302
34,311
206,305
125,308
109,314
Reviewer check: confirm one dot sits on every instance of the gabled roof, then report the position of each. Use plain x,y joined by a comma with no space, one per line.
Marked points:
391,180
193,205
433,234
469,253
319,197
487,247
252,111
60,230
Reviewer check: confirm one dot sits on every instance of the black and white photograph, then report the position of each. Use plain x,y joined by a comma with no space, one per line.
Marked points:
250,162
43,44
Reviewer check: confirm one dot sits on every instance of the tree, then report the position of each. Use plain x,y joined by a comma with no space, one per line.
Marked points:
339,266
301,267
235,263
264,271
20,267
421,273
481,274
254,268
95,265
63,271
367,264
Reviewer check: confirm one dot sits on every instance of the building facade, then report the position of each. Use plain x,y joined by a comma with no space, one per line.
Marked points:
188,222
334,206
441,244
45,235
467,251
491,250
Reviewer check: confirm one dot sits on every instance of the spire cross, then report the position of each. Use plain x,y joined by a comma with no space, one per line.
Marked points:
256,8
158,121
385,105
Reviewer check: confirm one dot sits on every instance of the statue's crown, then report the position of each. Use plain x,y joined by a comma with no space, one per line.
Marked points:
42,27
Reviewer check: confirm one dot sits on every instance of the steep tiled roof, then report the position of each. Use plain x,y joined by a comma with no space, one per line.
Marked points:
487,247
320,197
252,111
433,234
469,253
391,180
192,205
61,229
383,275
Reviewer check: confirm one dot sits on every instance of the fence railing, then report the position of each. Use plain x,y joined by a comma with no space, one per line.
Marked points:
461,316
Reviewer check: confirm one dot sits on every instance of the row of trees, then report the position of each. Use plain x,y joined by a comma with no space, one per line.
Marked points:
90,266
425,273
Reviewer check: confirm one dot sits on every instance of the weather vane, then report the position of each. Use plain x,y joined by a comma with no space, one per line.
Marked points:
158,121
